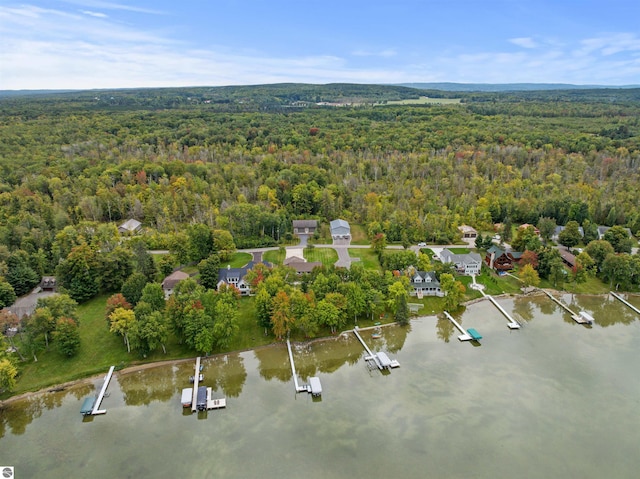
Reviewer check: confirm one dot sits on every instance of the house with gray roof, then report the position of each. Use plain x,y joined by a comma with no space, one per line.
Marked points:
307,227
468,264
170,282
236,277
130,226
559,229
425,283
340,229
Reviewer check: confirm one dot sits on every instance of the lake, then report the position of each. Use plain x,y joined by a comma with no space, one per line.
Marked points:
553,399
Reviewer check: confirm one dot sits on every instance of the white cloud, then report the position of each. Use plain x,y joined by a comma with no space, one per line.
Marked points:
94,14
112,6
386,53
524,42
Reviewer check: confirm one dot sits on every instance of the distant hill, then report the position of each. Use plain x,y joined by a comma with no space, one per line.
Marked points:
506,87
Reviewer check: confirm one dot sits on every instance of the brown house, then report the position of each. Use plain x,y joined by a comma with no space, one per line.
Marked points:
501,260
170,282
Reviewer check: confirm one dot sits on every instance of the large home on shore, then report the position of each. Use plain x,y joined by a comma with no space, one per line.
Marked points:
340,229
468,264
236,277
170,282
425,283
500,259
306,227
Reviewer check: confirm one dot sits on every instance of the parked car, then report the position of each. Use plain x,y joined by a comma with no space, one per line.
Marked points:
422,244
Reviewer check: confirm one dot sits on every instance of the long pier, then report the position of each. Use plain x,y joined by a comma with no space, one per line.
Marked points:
617,296
464,336
513,324
196,382
299,388
580,318
373,357
105,385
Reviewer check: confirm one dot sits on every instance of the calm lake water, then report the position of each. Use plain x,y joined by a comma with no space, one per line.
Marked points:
552,400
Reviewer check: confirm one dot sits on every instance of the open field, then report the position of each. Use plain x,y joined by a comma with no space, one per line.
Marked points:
327,256
368,257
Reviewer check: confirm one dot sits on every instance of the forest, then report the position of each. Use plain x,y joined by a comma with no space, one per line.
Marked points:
211,170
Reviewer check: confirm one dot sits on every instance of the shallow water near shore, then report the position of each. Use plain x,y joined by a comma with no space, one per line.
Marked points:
553,399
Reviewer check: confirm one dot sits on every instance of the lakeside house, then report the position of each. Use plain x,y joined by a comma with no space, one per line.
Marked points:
425,283
170,282
603,229
236,277
500,259
559,229
468,264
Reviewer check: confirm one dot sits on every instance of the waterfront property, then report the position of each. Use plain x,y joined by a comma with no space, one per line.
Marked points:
378,360
468,264
425,283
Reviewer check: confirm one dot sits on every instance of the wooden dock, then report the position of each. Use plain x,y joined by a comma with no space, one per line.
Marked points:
215,403
96,406
513,324
196,381
617,296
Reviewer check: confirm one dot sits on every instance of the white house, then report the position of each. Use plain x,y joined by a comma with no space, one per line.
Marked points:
468,264
170,282
425,283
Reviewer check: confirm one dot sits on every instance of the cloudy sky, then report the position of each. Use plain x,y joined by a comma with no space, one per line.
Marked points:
80,44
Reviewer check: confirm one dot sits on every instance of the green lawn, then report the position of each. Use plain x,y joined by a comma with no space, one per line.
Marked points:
359,235
238,260
368,257
327,256
459,250
275,256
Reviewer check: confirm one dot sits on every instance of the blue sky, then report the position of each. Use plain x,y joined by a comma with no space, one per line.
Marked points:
144,43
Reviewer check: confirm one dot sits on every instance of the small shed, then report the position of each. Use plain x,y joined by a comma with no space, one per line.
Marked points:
130,226
48,283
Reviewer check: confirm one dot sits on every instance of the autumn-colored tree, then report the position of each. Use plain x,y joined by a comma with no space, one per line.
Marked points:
528,275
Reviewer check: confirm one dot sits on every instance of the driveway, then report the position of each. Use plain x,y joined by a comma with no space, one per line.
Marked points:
26,305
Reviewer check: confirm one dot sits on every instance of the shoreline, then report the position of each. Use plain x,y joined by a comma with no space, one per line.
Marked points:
141,367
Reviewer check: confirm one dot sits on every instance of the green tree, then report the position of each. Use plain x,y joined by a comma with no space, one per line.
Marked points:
133,286
122,321
223,244
526,239
590,231
67,337
281,317
586,263
616,268
598,250
619,239
424,262
149,332
529,276
327,314
570,236
378,244
209,269
115,267
8,373
143,260
262,303
226,325
20,275
200,241
7,294
397,300
153,295
166,264
60,306
453,290
547,227
78,273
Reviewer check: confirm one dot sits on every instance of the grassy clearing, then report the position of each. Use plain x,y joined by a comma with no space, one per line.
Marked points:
359,235
428,251
367,257
459,250
238,260
275,256
327,256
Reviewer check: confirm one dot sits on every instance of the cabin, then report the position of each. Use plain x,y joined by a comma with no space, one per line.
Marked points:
340,229
500,259
306,227
468,264
170,282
